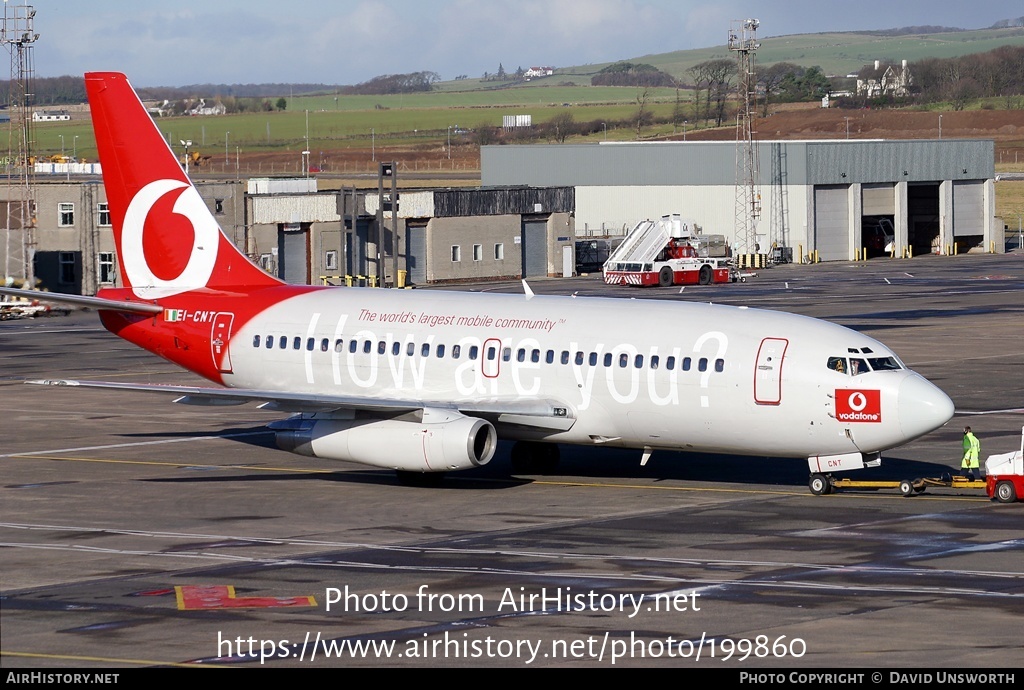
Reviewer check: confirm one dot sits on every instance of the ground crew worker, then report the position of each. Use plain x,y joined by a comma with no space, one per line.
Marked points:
972,450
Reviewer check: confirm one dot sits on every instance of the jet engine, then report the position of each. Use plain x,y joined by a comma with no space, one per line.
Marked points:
442,441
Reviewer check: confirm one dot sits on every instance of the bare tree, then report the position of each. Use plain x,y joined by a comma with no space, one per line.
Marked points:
563,124
720,73
700,81
771,77
643,116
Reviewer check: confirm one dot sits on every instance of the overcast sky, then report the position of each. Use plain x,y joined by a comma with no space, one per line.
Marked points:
178,42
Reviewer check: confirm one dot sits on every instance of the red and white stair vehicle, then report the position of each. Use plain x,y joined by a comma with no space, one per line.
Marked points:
662,252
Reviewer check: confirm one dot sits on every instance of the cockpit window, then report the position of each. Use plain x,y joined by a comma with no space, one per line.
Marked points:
853,367
884,363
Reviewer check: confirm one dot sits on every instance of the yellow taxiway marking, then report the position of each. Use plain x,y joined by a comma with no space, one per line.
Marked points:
537,482
99,660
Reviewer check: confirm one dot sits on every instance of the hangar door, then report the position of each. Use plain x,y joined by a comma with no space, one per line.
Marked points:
878,200
293,253
832,222
535,247
416,260
968,208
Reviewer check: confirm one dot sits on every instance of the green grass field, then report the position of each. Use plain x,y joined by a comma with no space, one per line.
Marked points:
340,121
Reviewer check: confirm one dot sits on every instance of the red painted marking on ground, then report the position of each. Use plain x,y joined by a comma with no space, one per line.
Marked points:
200,597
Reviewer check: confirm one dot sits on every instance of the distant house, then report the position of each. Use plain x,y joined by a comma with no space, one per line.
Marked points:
539,72
203,109
50,116
884,80
160,110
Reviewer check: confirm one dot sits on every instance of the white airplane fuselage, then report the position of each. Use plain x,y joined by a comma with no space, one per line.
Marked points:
631,372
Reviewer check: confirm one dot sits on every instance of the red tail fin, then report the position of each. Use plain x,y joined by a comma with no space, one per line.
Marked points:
167,240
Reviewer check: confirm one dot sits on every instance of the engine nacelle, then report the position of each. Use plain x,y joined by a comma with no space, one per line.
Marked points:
442,441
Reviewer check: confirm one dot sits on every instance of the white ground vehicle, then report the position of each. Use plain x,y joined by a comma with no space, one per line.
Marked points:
665,252
1004,478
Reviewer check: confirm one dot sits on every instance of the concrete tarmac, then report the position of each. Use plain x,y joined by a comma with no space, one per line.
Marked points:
135,532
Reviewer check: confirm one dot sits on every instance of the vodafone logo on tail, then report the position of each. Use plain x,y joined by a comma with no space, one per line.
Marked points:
859,406
202,258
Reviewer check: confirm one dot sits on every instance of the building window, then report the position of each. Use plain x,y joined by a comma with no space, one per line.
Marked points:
499,252
65,214
106,268
103,214
478,252
331,260
67,266
456,253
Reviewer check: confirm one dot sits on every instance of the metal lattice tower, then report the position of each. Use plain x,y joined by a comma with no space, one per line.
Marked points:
743,41
19,220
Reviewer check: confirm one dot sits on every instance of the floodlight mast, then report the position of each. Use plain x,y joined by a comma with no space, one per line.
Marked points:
743,41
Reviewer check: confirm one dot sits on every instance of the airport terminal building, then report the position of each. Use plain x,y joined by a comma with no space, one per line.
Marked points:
815,195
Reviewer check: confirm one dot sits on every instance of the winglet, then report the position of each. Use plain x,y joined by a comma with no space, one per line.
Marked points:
527,290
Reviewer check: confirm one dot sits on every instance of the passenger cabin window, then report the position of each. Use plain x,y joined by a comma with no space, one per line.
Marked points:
283,343
255,341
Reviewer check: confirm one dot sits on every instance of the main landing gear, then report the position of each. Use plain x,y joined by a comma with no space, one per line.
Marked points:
532,457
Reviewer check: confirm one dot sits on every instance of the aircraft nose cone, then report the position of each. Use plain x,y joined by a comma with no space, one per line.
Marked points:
922,407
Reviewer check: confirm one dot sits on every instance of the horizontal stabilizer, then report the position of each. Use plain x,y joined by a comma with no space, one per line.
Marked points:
84,301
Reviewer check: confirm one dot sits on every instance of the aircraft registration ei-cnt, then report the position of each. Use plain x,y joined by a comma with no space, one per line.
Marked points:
427,381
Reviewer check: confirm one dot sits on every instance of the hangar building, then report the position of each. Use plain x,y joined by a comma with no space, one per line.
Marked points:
938,195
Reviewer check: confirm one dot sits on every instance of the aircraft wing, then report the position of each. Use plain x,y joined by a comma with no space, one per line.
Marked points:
530,412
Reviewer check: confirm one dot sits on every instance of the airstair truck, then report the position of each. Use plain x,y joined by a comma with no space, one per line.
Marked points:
662,252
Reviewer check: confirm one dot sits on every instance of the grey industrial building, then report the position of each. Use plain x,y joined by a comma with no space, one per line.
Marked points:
307,236
536,201
815,195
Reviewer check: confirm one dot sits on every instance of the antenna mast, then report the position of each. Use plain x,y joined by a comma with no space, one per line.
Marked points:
743,41
19,220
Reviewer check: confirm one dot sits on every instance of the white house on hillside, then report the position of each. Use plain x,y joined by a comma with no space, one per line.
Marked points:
884,80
